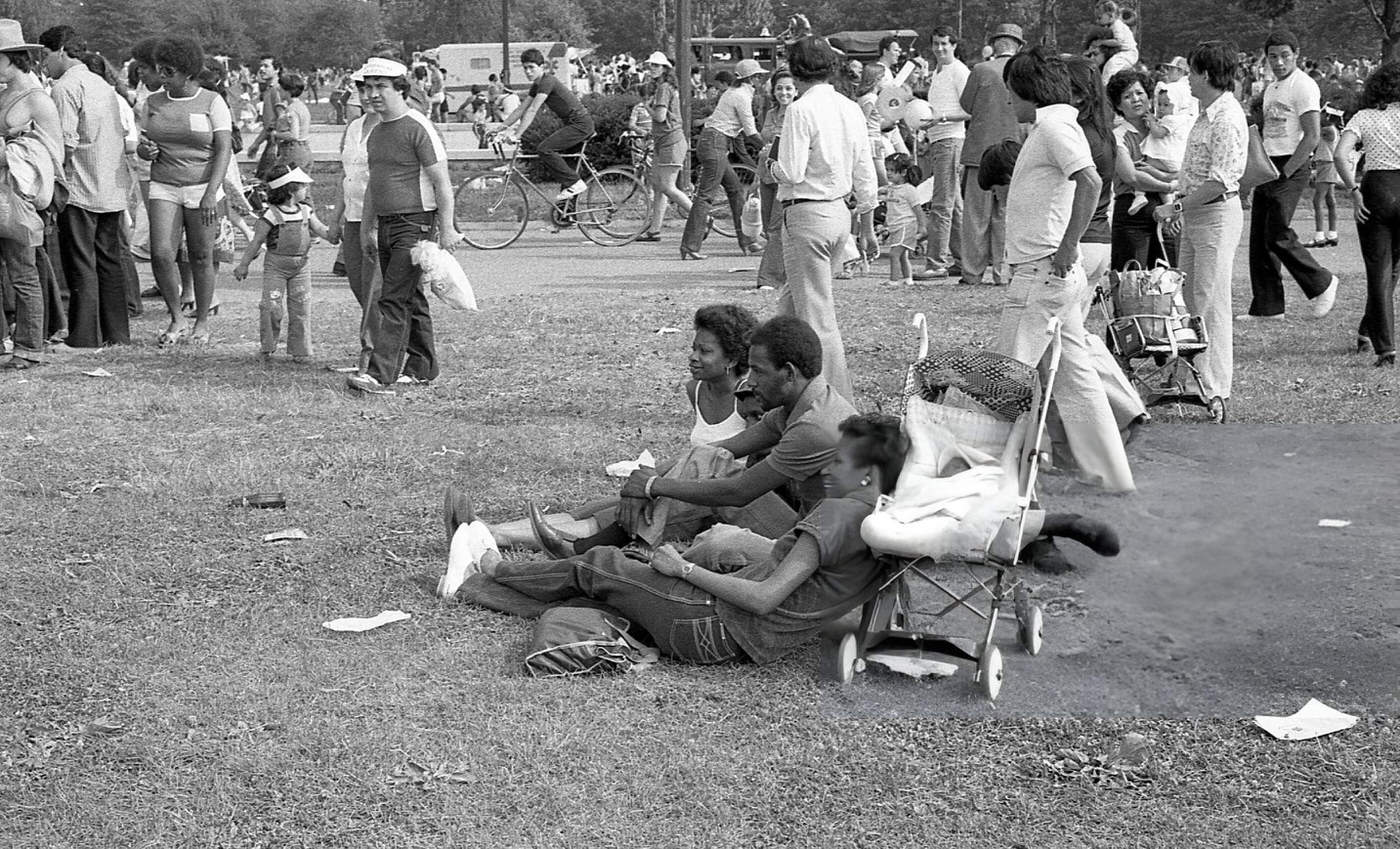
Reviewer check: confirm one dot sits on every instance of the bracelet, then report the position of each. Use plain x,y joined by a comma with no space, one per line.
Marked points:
646,490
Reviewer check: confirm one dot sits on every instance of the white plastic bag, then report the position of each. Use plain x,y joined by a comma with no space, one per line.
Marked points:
752,219
443,275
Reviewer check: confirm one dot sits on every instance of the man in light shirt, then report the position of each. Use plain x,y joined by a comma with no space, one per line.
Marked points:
822,155
1292,126
940,154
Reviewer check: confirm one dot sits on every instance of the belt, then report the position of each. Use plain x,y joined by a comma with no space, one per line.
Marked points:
796,201
1222,198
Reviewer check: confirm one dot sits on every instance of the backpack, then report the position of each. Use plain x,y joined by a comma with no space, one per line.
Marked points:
579,640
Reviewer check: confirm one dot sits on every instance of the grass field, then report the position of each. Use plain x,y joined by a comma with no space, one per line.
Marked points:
167,681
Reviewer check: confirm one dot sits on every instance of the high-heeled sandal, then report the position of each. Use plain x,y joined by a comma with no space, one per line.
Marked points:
1386,360
1363,345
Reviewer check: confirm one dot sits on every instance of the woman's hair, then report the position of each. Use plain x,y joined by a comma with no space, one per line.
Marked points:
180,53
812,59
212,76
1119,83
1086,84
293,84
21,59
788,339
998,164
281,194
870,77
532,57
777,77
903,163
98,65
878,441
733,326
1102,34
1217,60
1382,87
1039,77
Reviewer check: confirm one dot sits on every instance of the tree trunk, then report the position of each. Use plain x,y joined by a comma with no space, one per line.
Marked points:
1390,48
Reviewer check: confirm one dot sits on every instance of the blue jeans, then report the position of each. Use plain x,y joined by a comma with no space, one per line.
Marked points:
941,162
679,616
405,331
22,279
715,171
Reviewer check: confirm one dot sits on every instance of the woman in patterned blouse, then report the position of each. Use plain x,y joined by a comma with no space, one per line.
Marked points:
1376,198
1208,212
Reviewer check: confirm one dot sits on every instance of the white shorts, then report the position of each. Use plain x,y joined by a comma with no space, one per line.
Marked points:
188,197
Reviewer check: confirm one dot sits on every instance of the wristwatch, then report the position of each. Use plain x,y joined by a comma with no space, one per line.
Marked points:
1177,208
687,568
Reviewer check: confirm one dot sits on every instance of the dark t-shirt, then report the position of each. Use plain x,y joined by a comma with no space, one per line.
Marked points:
1105,152
400,152
559,100
847,576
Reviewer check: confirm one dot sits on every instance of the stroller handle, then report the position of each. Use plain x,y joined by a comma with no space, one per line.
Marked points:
921,324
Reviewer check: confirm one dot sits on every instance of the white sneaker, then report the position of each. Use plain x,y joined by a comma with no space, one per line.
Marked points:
1322,304
469,543
1139,201
576,189
367,384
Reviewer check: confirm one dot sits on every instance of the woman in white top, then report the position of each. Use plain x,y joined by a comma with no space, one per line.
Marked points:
719,360
1376,198
360,270
732,119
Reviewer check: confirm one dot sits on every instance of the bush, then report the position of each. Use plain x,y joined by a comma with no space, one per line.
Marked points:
610,113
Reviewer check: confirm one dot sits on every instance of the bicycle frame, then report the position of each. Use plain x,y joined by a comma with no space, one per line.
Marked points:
514,172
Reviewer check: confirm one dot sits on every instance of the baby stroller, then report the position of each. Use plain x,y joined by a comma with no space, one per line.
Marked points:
1153,336
989,404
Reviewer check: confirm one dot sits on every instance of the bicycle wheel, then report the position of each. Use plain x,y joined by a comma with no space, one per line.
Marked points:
614,209
721,221
491,210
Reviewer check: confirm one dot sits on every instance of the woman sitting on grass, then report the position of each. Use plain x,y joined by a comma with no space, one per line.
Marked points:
719,360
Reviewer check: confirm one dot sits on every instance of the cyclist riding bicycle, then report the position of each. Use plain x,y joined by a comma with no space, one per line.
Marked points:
549,91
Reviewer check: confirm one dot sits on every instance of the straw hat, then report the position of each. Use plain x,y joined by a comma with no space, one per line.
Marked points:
659,58
12,37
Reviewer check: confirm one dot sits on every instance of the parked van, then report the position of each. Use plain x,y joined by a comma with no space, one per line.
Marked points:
465,65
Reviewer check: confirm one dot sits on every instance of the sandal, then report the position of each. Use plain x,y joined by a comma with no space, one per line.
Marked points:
167,339
200,338
17,363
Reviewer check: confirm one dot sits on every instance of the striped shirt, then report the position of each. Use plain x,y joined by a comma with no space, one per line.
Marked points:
91,121
400,153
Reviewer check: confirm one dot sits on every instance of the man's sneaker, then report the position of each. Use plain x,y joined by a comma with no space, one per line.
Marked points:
367,384
1322,304
469,543
576,189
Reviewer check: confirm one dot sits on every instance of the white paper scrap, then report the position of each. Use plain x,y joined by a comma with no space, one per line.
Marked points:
664,331
285,536
1333,523
624,468
1314,720
98,372
914,667
357,624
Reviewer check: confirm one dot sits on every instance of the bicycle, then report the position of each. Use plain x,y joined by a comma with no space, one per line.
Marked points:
721,220
492,207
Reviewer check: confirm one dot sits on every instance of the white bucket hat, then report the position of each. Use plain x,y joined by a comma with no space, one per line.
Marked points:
296,175
659,58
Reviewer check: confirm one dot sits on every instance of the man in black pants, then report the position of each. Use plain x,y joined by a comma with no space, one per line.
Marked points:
1292,106
547,90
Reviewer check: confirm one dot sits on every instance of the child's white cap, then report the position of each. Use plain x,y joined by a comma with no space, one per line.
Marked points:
296,175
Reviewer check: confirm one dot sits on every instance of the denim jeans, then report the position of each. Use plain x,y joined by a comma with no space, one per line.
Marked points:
811,234
1273,244
941,163
1135,235
770,265
1035,296
366,282
1209,238
715,172
405,331
92,245
1380,249
286,279
679,616
22,278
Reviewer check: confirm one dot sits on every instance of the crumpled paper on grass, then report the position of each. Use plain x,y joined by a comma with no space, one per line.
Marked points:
624,468
357,625
1315,719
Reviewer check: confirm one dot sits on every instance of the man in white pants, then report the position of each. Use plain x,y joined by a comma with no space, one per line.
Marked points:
822,156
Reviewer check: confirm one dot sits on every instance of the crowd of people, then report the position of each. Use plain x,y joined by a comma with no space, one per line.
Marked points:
1030,170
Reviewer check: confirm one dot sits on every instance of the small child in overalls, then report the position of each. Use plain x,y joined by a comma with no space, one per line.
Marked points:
287,226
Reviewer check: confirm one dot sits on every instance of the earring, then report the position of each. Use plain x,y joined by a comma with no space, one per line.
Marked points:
865,481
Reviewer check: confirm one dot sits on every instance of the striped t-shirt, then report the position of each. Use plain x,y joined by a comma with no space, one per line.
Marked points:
184,128
400,152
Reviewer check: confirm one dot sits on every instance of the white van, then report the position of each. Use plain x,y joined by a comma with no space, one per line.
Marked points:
465,65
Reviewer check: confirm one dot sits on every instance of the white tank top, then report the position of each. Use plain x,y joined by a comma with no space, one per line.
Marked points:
704,433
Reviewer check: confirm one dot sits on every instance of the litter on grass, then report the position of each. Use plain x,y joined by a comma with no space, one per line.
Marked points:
288,535
911,665
624,468
98,372
1315,719
663,331
358,624
1333,523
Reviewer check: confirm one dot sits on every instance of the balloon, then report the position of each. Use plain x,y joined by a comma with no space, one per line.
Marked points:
892,101
916,113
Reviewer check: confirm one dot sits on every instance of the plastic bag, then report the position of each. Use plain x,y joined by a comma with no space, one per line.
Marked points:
443,275
752,219
19,221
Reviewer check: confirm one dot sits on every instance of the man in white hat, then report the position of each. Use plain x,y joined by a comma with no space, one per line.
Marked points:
347,224
409,192
91,237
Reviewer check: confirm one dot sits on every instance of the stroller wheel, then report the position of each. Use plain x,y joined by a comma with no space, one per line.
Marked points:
838,658
1216,406
1032,630
990,672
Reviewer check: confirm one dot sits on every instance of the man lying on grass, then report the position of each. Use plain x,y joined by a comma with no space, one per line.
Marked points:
799,432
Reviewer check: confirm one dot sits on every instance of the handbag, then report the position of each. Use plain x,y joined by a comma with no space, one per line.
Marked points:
579,640
19,220
1258,168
